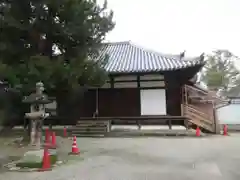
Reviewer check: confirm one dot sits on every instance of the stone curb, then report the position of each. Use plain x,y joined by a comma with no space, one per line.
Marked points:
12,167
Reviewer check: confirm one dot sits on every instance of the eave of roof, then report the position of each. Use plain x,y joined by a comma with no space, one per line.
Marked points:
125,57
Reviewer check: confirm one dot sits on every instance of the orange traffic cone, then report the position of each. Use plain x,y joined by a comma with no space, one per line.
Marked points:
75,150
46,164
198,132
53,145
225,130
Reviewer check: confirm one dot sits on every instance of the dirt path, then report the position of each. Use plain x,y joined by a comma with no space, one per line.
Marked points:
178,158
12,151
9,151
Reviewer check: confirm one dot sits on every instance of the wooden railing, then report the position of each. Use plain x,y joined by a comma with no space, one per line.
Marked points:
198,118
194,92
194,89
199,110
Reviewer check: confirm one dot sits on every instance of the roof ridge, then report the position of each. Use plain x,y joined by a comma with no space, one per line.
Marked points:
127,57
153,52
117,43
171,56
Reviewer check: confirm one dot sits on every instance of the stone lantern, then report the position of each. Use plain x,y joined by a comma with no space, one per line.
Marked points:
37,114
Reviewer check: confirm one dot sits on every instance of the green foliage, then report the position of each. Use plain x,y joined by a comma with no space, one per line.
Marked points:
53,41
53,72
2,117
220,72
11,107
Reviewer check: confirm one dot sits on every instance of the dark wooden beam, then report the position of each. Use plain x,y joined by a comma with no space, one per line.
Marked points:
111,81
138,81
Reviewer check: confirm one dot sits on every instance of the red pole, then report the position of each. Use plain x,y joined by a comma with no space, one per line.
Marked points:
53,145
47,136
65,132
198,132
225,129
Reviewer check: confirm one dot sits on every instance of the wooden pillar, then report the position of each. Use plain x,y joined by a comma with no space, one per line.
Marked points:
97,104
173,95
170,124
185,94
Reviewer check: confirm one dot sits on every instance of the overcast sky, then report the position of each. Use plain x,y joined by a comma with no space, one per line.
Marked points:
171,26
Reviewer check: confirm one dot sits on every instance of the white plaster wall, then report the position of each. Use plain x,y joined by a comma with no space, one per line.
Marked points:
153,102
229,114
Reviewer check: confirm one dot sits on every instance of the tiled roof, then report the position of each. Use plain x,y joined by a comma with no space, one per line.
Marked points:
125,57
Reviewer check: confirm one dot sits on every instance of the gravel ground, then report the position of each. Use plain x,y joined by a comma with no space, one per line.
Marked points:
170,158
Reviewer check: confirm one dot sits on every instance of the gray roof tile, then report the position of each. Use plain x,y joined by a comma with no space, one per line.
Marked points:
125,57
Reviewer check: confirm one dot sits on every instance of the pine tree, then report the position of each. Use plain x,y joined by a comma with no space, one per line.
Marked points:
52,41
220,73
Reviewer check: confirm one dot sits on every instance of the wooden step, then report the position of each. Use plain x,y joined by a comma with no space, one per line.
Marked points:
198,118
90,130
206,127
93,122
80,133
89,135
91,127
